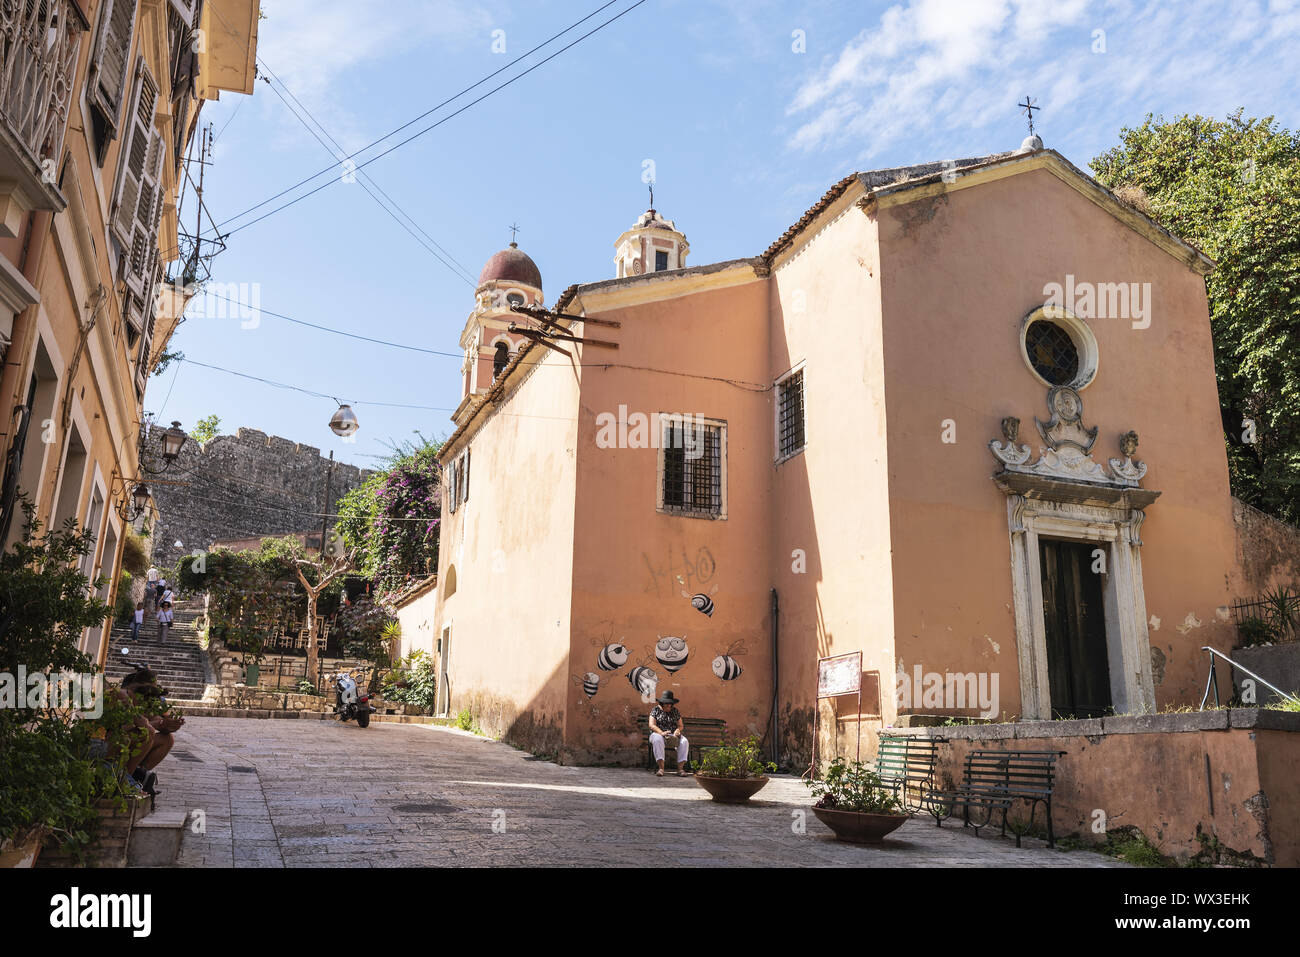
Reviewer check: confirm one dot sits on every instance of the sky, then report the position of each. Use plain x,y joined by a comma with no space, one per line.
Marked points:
743,111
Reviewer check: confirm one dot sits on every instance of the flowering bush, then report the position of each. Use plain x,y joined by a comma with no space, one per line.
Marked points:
392,520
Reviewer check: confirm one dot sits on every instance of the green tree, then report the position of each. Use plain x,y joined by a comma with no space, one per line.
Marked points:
1232,188
205,430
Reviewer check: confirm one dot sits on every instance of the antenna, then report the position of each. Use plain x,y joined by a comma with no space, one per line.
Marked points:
1028,107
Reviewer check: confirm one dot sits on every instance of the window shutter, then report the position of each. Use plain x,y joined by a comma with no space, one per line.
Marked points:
186,10
136,158
466,498
112,57
144,238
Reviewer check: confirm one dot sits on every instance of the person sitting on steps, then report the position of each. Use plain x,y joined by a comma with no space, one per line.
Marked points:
138,687
665,722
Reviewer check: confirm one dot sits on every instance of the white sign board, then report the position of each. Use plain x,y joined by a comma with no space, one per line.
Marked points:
841,674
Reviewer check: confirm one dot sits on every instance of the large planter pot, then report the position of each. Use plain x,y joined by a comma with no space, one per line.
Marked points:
857,827
731,790
22,854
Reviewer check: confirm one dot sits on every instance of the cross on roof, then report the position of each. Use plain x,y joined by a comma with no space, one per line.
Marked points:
1028,107
514,230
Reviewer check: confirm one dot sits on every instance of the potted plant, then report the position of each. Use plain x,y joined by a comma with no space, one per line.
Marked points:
734,771
855,804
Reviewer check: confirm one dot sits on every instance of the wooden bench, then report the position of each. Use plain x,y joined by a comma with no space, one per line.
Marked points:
701,734
994,780
905,765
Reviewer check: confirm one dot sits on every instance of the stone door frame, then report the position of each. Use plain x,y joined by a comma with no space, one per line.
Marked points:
1111,518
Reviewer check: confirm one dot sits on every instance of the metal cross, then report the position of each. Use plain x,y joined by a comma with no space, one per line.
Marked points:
514,229
1028,107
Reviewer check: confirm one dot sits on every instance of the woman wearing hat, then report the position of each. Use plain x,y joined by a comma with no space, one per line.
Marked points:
665,722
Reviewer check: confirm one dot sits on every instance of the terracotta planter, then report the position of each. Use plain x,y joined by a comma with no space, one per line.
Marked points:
731,790
24,854
857,827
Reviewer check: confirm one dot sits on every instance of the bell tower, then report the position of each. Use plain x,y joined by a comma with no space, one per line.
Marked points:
509,278
653,244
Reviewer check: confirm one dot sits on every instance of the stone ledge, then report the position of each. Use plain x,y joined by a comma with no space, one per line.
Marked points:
1173,722
1264,719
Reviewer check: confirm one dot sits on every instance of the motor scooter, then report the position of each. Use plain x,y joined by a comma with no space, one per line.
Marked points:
349,702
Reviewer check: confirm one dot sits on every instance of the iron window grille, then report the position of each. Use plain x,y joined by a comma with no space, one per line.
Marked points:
1052,352
692,467
790,416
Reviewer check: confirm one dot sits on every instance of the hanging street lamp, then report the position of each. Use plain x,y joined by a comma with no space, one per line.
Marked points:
344,421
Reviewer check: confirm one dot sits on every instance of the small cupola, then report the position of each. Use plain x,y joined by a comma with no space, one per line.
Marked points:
653,244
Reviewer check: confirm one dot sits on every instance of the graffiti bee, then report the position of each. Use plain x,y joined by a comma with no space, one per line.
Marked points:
701,601
590,683
644,680
672,652
612,655
725,665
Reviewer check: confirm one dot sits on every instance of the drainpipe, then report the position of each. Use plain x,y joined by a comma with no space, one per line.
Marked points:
776,678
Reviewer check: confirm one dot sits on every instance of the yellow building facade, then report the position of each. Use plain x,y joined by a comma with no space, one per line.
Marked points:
99,100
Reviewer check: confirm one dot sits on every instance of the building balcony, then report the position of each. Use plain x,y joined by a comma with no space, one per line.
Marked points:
39,43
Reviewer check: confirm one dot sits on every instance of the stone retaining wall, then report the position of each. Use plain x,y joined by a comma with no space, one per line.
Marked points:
1188,781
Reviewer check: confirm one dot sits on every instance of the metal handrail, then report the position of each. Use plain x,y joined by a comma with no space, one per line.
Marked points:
1214,680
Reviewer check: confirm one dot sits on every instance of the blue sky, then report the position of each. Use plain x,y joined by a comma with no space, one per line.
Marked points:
745,131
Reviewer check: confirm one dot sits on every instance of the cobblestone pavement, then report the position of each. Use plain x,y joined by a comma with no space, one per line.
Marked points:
281,793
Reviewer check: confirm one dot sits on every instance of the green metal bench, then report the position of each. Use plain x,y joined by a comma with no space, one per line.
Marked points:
994,780
701,733
905,764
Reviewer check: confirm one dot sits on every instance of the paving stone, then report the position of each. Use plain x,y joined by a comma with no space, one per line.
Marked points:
317,800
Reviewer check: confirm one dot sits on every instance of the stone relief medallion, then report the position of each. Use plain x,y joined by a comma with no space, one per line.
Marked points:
1065,427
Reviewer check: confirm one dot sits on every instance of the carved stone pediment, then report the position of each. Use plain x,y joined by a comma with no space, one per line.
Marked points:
1067,455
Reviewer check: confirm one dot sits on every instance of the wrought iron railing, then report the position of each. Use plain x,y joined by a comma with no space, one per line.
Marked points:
1275,615
39,42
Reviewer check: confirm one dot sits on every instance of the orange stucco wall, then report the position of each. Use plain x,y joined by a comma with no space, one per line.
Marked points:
959,272
631,562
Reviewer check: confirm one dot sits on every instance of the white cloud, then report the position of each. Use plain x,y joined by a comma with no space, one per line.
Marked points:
320,47
931,66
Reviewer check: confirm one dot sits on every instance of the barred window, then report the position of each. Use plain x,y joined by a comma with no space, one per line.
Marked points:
789,416
692,453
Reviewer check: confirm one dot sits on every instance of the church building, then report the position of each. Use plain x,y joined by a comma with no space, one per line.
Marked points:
960,417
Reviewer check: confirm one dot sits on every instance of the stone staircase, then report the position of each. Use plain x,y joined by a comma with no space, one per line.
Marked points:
178,661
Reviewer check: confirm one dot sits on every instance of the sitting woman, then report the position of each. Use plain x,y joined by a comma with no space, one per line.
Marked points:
140,687
665,722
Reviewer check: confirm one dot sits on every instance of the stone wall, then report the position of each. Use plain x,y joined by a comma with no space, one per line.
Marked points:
242,486
1218,781
1268,550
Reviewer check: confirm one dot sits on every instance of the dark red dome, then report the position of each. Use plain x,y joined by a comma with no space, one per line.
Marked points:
512,265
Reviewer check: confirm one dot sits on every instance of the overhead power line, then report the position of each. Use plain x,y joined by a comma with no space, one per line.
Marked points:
432,126
436,249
